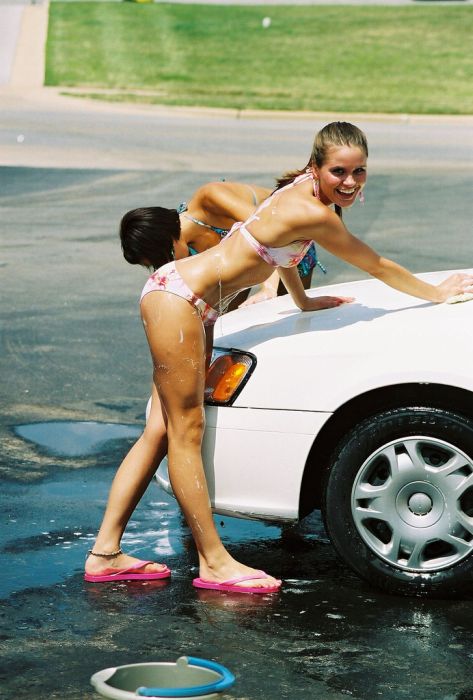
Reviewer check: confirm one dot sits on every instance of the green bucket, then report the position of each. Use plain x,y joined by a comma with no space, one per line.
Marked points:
188,677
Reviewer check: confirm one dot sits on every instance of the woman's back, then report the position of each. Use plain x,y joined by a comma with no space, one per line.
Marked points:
213,210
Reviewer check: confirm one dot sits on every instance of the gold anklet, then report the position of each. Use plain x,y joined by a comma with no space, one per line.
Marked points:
101,554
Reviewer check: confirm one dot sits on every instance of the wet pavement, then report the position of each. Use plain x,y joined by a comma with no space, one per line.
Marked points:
327,635
75,380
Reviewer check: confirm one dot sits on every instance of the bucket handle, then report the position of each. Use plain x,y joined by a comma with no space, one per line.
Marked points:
225,682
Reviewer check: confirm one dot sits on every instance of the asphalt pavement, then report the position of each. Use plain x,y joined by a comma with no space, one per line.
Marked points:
75,380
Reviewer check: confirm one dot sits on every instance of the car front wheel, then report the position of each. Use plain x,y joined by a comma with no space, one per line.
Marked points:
398,501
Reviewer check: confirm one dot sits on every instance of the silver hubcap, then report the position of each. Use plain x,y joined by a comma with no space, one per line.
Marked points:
412,503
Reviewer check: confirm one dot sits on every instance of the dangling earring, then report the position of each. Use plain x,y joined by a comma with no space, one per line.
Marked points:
316,188
361,197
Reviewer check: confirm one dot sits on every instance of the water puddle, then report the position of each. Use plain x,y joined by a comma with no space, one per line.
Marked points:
75,438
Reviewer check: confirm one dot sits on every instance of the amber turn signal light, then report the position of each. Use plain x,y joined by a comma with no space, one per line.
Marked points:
227,374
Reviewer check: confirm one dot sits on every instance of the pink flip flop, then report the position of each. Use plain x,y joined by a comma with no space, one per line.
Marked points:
128,574
231,586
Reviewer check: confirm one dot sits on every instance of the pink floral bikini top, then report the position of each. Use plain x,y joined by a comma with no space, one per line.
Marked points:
284,256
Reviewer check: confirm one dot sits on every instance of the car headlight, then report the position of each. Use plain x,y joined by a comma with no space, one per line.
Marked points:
228,373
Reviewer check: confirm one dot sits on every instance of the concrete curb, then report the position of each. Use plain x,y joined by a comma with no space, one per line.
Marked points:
63,99
29,61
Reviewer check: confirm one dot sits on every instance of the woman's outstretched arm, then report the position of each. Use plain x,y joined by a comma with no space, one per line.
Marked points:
336,238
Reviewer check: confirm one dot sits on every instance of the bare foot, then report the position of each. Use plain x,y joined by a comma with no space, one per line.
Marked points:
232,570
96,565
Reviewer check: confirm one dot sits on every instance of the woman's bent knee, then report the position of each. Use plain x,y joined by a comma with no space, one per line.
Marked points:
188,427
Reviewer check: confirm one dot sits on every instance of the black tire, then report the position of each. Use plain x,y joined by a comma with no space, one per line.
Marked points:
376,536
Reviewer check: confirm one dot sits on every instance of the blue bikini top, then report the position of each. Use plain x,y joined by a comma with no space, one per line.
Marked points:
182,208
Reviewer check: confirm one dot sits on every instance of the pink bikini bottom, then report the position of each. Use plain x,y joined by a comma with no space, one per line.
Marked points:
167,279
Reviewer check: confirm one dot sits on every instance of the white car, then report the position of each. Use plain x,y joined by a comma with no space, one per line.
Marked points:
364,411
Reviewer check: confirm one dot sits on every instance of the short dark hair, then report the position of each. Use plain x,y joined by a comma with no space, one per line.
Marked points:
147,235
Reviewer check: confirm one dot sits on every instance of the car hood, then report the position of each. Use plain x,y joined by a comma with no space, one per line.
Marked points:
318,360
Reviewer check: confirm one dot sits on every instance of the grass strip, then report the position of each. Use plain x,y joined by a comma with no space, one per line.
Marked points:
404,59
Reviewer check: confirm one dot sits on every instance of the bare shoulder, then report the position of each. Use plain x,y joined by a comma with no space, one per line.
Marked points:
223,191
303,210
218,193
212,190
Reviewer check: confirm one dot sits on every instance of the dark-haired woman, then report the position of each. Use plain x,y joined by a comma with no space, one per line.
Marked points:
181,301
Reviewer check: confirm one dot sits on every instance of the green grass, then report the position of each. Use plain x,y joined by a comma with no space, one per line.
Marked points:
408,59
